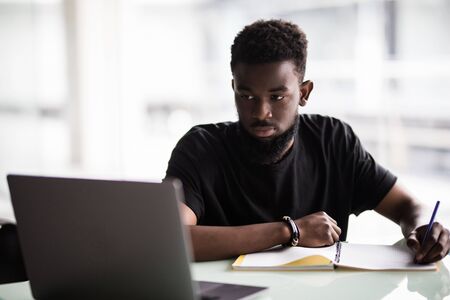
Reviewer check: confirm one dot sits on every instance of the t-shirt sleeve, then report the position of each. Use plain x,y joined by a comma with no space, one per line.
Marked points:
183,164
370,181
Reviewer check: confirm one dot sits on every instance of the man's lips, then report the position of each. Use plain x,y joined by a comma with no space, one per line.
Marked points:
263,131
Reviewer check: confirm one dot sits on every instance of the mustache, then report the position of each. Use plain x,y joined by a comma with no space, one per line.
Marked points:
259,123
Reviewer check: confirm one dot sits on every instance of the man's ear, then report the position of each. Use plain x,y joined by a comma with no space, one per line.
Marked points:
306,88
232,84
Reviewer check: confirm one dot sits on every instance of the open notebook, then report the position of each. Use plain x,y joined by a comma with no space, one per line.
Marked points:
354,256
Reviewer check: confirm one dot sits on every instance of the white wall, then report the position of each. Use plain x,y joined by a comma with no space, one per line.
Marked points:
105,88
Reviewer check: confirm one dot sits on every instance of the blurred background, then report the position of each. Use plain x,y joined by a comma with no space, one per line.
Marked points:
105,88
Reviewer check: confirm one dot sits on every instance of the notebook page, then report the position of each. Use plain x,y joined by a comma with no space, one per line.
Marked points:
287,257
379,257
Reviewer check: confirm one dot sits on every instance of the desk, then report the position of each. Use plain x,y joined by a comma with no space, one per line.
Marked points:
338,284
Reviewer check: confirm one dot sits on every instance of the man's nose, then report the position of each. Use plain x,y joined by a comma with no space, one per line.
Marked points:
262,110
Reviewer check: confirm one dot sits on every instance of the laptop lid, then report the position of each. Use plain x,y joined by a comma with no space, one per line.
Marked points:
69,231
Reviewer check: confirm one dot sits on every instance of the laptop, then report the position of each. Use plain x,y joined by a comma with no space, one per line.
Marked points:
106,239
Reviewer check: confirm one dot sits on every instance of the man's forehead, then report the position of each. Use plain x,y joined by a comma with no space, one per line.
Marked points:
269,75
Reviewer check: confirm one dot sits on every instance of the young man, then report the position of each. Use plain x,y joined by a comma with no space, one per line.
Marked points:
241,179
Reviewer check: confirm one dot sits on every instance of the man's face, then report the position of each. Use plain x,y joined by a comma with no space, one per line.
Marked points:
267,97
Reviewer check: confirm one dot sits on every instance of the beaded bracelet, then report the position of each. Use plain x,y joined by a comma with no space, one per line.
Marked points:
295,232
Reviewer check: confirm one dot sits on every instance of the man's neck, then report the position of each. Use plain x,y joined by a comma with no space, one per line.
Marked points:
286,150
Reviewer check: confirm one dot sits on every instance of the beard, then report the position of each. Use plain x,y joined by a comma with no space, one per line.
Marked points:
266,152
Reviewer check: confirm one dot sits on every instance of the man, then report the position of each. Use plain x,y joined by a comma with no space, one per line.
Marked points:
240,179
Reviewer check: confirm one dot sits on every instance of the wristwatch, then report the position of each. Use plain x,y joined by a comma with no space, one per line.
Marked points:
295,232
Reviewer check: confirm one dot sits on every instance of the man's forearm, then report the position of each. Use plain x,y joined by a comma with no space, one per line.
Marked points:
403,209
411,218
220,242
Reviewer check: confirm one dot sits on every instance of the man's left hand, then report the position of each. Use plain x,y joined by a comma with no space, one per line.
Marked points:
436,246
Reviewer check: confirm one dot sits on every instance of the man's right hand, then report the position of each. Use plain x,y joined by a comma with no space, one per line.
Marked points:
317,230
220,242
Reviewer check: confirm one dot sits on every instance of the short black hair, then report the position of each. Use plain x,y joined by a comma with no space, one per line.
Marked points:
267,41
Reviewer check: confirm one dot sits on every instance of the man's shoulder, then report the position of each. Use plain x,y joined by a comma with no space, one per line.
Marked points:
210,131
321,119
326,131
206,135
322,124
211,128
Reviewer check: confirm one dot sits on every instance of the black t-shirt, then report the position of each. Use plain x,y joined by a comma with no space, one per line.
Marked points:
327,169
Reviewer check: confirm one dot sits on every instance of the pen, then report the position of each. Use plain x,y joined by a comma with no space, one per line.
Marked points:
431,222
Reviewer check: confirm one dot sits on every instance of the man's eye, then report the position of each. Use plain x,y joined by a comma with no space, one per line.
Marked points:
276,97
247,97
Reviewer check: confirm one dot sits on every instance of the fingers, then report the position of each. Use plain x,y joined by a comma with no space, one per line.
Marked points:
330,218
435,247
432,237
331,228
324,214
439,250
413,242
335,230
318,229
431,240
335,236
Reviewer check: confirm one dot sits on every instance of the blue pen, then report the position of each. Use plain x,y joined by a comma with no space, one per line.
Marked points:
431,222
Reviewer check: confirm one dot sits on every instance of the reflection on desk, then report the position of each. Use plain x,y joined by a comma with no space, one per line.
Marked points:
433,286
338,284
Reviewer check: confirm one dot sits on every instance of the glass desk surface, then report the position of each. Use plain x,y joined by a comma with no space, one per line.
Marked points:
337,284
